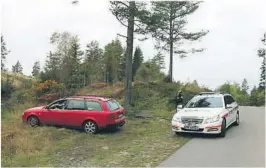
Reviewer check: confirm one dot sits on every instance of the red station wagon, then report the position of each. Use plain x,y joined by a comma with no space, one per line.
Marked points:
90,113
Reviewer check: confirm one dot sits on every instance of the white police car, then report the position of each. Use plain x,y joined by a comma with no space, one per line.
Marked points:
208,113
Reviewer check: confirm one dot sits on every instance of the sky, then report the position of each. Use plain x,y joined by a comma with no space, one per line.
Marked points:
236,28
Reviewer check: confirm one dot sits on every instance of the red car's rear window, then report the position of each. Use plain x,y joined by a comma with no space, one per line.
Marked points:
112,105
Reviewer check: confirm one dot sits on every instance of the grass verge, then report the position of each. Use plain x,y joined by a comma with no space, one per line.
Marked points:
141,142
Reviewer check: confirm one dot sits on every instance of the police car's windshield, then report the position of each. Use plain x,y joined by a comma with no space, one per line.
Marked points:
205,102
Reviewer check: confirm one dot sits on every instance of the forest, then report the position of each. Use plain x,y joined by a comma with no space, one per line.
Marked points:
116,71
69,69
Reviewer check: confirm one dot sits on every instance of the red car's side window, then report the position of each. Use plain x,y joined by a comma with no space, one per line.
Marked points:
112,105
58,105
93,106
76,105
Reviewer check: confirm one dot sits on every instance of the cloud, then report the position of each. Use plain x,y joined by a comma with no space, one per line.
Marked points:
235,31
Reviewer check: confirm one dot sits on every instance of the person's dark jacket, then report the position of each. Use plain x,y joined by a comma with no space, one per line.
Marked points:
179,99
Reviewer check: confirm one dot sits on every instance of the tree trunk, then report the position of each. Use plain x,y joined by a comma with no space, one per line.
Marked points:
129,51
171,47
171,60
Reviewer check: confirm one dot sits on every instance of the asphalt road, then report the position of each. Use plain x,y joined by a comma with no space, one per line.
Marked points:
243,146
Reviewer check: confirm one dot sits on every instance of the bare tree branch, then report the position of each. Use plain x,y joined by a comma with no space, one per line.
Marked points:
140,29
120,2
261,52
143,39
120,21
136,20
185,52
264,39
75,2
121,35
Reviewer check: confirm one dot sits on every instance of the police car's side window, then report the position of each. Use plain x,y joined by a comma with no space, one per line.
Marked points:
231,99
226,100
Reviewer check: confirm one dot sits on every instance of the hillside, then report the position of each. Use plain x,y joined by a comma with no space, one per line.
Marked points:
145,140
18,80
141,142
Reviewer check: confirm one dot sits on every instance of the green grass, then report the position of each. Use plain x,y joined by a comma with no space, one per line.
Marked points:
141,142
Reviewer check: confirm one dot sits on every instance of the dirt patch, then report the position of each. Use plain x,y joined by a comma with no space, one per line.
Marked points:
75,156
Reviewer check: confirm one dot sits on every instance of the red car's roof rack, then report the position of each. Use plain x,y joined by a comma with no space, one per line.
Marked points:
98,97
88,96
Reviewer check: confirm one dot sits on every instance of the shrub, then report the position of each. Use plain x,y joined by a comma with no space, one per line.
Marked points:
18,97
49,90
257,97
131,111
149,71
48,86
6,88
98,85
49,97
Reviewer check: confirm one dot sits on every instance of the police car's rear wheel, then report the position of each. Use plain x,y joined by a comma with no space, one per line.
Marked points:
223,129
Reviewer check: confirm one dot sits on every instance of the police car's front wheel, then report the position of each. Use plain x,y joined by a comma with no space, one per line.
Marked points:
236,123
223,129
178,133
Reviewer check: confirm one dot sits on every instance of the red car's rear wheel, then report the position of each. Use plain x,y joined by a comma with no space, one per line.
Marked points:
90,127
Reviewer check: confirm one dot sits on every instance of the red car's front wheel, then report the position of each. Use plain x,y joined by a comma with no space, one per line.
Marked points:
33,121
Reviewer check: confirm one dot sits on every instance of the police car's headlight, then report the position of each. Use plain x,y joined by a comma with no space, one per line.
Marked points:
212,119
177,119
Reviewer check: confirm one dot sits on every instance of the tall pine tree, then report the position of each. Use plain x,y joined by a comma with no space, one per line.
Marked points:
75,77
262,75
112,55
137,61
4,52
17,68
158,59
130,15
36,69
62,43
122,66
63,64
262,54
52,67
94,63
244,86
167,25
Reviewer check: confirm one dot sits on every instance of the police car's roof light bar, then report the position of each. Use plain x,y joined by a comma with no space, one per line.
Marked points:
205,93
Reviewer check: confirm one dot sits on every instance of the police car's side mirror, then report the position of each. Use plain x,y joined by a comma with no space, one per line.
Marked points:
179,106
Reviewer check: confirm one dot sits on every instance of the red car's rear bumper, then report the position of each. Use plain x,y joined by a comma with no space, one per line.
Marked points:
120,119
117,123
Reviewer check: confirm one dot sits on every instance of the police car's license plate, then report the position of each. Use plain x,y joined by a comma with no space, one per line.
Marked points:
191,127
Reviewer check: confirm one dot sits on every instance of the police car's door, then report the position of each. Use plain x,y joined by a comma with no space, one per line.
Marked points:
229,109
234,106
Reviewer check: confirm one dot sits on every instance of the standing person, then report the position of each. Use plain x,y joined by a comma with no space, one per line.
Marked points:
179,98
